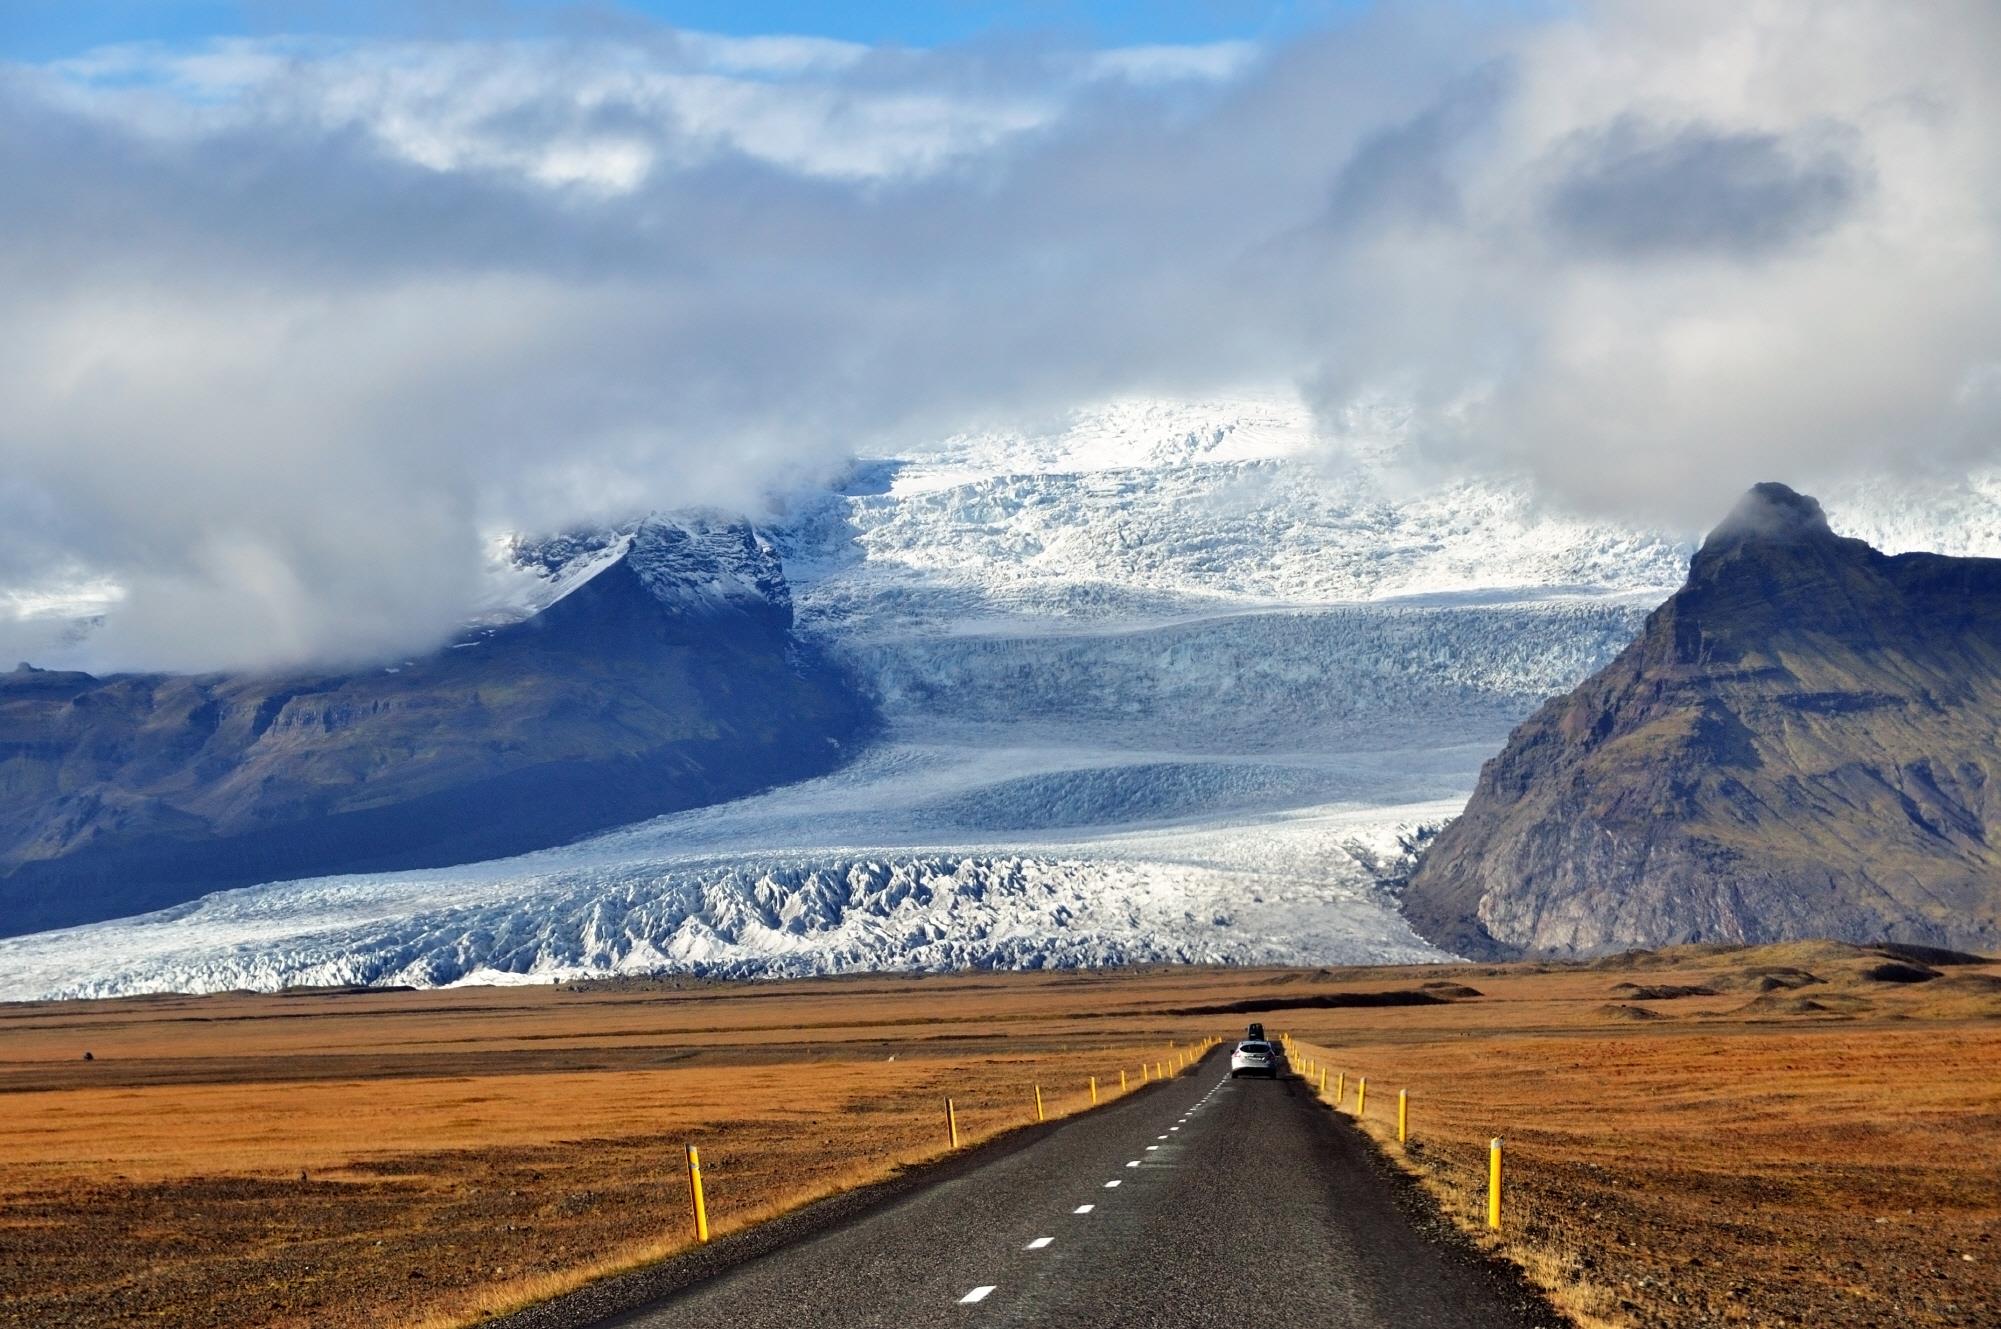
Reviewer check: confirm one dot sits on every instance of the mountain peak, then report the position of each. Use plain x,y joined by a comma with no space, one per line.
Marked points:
1801,743
1775,512
709,563
696,564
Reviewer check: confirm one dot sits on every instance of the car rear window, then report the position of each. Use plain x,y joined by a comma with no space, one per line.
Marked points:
1254,1047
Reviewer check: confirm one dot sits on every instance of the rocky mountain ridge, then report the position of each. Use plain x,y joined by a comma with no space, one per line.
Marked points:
1805,741
665,676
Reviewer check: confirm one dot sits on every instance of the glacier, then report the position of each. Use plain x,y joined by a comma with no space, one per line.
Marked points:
1168,682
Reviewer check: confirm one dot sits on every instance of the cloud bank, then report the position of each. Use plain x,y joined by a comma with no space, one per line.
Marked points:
289,326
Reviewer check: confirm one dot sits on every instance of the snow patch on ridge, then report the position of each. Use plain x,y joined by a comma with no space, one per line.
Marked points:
694,562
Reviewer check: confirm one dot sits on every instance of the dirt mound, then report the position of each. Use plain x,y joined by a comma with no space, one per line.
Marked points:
1896,971
1614,1010
1660,991
341,990
1774,1004
1766,978
1316,1002
1821,1003
1972,982
1929,955
1634,960
1801,955
1452,991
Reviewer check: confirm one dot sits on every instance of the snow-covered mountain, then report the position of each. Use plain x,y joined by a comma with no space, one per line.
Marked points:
667,676
702,563
1170,682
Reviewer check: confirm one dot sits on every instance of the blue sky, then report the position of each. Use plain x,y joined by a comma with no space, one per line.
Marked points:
46,29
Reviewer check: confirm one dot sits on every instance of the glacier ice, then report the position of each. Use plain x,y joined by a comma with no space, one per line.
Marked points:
1164,684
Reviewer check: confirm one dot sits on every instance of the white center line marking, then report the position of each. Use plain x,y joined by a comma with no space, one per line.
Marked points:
977,1294
1111,1183
1174,1128
1150,1148
1163,1137
1134,1163
1038,1243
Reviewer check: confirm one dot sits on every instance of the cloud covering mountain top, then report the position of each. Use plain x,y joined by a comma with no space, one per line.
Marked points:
289,326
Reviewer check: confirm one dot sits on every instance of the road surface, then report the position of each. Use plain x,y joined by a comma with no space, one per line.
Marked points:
1205,1201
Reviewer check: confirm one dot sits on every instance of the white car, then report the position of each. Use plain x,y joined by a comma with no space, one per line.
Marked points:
1253,1058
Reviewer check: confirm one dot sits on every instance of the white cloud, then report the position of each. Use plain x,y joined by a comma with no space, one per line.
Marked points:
1214,61
286,325
597,113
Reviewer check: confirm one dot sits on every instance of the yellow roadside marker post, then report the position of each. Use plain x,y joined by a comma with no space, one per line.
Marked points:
1094,1091
1361,1095
951,1123
1122,1081
695,1194
1494,1184
1323,1079
1403,1115
1038,1102
1340,1087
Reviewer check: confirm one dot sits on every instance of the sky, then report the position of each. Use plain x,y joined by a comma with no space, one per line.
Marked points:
301,303
52,29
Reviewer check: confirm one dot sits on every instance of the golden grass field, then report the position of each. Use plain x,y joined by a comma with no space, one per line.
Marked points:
425,1158
1806,1146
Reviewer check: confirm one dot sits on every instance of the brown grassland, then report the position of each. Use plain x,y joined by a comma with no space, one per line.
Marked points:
1805,1144
1707,1136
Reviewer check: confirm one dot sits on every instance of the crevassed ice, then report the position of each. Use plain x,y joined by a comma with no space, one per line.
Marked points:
1168,684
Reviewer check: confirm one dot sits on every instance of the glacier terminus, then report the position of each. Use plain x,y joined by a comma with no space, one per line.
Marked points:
1174,681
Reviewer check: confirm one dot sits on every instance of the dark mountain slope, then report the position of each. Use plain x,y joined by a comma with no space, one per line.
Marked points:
668,680
1804,741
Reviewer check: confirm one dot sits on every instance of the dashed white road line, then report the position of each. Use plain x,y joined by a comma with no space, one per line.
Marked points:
977,1294
1113,1182
1083,1208
1134,1163
1039,1243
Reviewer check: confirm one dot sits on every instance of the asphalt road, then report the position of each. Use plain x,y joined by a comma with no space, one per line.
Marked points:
1205,1201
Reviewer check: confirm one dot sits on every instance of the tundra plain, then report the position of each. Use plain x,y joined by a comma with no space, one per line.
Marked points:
1805,1134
